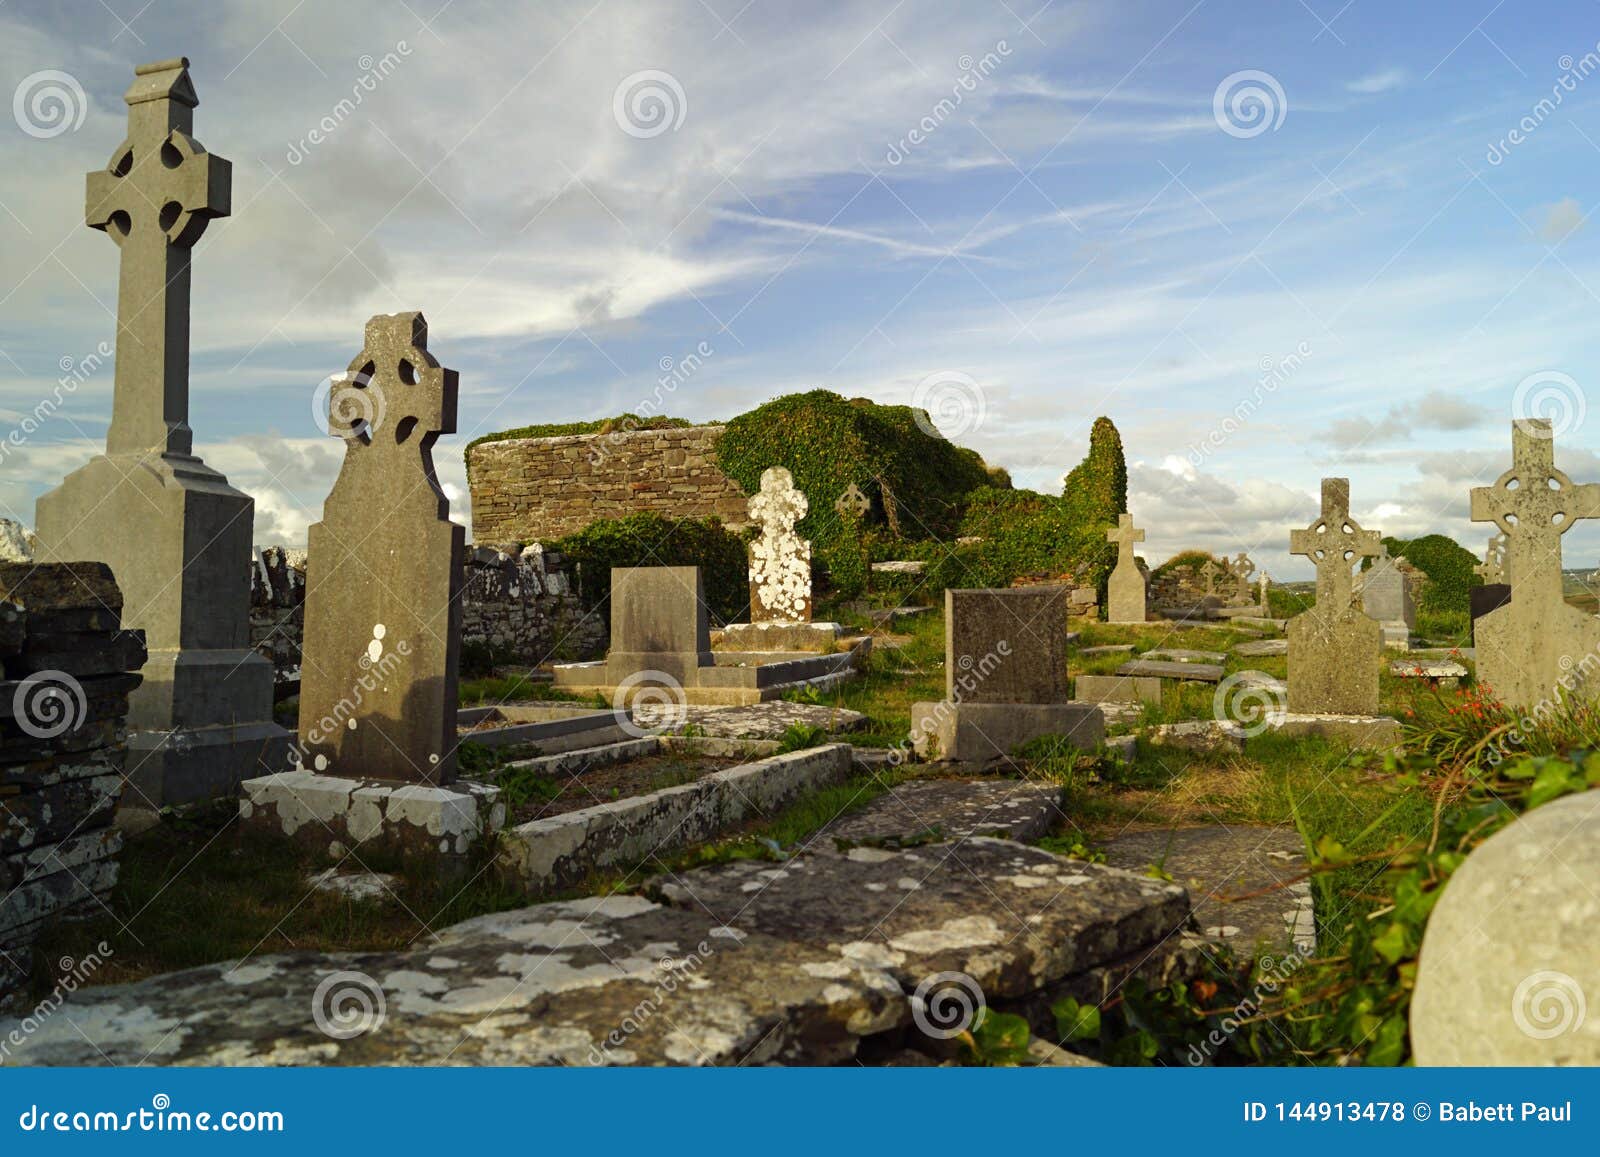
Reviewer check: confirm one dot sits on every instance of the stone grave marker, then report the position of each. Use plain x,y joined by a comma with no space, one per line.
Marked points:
1005,677
1242,569
378,687
780,560
1536,648
1334,647
175,534
1211,572
1126,591
1496,590
852,504
1386,597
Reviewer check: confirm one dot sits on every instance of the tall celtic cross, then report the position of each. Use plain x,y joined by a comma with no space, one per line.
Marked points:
154,200
1335,543
1534,504
1125,534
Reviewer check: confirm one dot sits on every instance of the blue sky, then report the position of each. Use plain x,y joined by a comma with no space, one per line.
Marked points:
1083,233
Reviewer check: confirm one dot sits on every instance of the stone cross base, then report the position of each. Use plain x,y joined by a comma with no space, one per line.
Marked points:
1333,665
334,815
1369,732
177,538
981,732
777,636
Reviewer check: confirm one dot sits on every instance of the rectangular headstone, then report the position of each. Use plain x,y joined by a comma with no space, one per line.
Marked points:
1006,646
659,625
1386,594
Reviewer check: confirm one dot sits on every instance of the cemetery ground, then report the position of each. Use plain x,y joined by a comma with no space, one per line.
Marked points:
197,889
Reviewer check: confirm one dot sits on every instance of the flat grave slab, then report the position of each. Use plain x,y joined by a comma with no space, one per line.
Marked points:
1116,689
1155,669
1438,670
954,809
1217,864
1262,648
754,721
1107,649
1215,658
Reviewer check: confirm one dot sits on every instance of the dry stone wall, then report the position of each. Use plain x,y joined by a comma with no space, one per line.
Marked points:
68,669
519,602
541,489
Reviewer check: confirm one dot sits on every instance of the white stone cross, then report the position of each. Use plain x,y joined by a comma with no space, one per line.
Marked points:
780,560
1493,567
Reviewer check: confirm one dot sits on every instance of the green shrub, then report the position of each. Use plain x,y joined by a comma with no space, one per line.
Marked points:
1191,560
918,483
1448,565
652,540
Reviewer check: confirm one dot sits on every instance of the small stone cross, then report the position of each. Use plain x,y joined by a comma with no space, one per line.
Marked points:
154,199
1125,534
780,560
1493,567
1335,543
852,504
1534,504
1210,571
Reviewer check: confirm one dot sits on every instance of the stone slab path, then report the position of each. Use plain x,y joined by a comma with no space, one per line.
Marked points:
956,809
819,959
1217,863
1262,648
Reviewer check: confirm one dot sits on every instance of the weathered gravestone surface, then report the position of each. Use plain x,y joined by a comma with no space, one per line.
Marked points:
175,534
1510,962
1334,647
1005,677
1241,570
1125,592
1386,597
780,560
1536,648
378,690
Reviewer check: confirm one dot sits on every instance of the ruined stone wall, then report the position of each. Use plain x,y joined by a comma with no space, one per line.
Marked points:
68,668
518,603
540,489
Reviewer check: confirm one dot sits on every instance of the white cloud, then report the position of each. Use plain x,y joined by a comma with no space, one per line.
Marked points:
1374,82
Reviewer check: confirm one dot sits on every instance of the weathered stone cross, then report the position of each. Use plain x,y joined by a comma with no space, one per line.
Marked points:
1493,567
780,560
155,199
1209,572
1534,504
1335,543
1125,535
852,503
